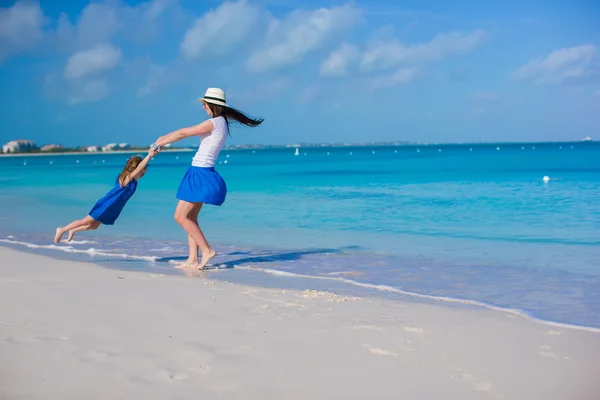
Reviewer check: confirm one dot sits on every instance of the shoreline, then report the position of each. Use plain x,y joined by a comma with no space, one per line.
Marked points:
305,146
379,289
74,330
87,153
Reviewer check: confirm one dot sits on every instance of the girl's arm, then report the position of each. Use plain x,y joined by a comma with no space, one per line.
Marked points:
179,134
140,167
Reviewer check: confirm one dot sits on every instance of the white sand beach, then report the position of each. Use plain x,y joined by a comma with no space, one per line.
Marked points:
78,331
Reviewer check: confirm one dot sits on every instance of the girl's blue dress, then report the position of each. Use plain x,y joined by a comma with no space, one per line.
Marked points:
108,208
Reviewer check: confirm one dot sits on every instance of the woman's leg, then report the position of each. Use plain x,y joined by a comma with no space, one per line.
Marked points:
192,245
183,215
90,227
75,224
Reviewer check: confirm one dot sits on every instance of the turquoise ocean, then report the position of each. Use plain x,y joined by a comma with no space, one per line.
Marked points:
465,224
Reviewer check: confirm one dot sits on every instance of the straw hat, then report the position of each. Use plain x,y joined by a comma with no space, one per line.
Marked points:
214,96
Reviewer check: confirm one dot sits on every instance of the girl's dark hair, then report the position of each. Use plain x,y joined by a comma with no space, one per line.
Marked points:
231,114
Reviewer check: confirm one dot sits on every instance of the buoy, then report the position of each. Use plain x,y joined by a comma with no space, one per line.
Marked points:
51,162
497,148
546,179
470,149
327,153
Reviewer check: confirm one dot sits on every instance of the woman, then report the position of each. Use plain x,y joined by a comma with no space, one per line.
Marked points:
201,184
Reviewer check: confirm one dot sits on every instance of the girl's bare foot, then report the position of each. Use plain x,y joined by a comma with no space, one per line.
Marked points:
71,234
206,258
58,235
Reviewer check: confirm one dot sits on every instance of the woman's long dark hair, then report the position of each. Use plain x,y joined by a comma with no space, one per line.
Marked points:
231,114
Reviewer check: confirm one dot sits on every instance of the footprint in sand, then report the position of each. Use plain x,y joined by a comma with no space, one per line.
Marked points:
463,377
369,327
544,351
99,355
405,345
413,329
551,332
178,376
156,376
380,352
24,339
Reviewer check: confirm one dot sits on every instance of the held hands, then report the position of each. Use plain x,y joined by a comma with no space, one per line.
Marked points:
154,150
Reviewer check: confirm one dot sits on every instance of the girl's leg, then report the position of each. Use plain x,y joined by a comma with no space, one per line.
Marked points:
75,224
192,245
90,227
183,214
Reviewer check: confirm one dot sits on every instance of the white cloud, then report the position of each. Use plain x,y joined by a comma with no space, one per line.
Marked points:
20,28
562,66
218,31
156,80
337,62
102,21
91,90
289,40
308,94
254,91
390,53
154,9
100,58
400,77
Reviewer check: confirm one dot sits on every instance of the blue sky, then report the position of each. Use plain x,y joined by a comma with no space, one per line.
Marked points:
317,71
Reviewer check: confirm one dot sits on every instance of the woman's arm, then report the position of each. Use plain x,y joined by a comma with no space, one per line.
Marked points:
179,134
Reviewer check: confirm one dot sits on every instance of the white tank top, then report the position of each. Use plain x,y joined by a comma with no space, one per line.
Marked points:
211,144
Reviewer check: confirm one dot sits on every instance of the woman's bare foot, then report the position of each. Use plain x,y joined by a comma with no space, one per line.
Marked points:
58,235
188,264
71,234
206,258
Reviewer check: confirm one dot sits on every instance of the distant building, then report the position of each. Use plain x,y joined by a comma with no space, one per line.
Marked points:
587,139
19,146
92,149
115,146
50,147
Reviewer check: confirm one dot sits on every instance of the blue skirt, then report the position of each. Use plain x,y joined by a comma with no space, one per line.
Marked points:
202,185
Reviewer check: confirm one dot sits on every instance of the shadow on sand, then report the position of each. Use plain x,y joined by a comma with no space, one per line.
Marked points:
253,258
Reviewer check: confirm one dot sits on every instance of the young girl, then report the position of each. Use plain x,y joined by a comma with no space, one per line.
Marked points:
107,209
